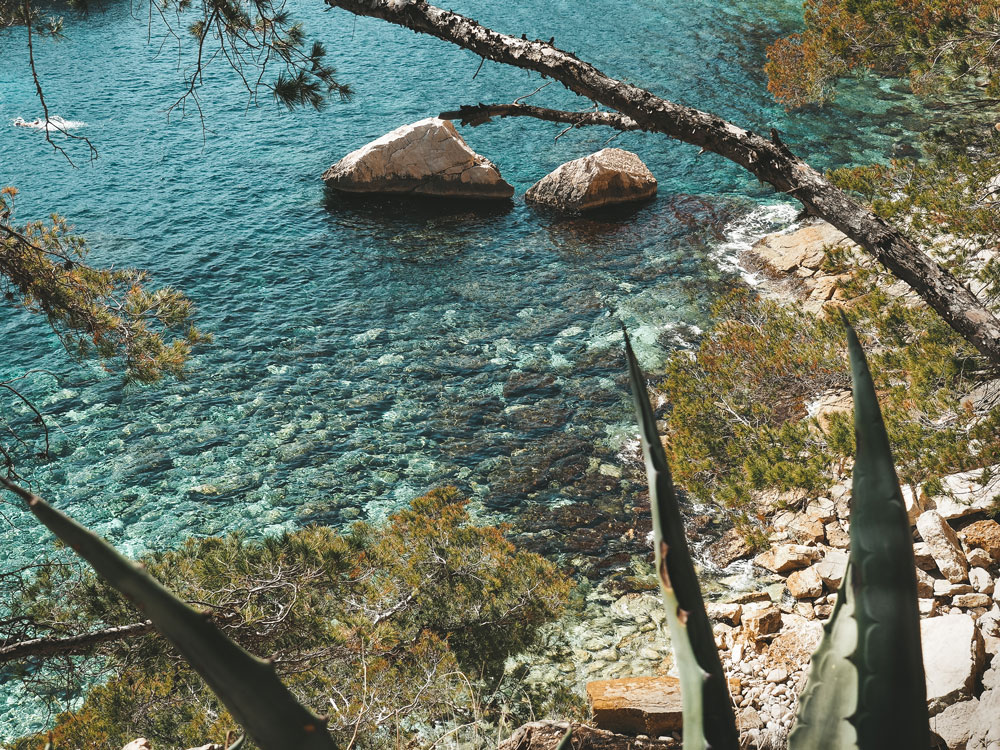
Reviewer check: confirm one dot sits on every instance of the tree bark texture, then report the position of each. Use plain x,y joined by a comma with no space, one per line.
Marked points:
767,159
74,644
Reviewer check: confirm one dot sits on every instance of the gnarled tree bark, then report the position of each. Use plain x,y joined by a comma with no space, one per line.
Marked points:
74,644
767,159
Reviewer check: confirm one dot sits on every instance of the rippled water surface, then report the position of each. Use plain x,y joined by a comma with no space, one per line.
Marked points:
367,351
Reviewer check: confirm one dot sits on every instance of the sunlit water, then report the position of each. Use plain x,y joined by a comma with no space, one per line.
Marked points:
366,352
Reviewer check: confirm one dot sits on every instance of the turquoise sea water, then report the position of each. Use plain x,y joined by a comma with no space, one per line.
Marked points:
368,351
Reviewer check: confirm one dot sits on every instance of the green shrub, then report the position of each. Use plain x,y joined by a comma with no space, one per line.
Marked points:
387,630
736,406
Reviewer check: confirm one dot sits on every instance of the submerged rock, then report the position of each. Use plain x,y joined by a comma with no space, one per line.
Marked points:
610,177
426,158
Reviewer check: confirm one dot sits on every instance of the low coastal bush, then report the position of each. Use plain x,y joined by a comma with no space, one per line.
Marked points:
391,631
737,406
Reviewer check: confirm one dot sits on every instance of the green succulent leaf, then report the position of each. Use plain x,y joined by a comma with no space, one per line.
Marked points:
248,686
830,697
708,715
878,689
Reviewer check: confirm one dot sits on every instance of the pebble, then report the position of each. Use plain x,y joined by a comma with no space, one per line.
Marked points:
777,675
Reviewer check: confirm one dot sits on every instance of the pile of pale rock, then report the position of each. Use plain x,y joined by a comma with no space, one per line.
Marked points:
430,159
767,637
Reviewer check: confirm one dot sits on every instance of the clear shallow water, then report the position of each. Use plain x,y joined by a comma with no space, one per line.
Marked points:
366,352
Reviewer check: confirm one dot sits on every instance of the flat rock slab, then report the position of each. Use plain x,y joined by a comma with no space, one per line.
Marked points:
609,177
425,158
637,705
953,653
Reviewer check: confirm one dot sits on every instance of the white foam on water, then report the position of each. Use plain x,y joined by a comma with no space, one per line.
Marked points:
54,123
745,232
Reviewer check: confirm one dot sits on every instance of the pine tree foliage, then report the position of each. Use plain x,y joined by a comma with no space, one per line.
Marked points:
944,47
113,315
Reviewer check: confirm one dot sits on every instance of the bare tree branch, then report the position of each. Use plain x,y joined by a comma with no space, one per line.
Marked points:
74,644
481,114
767,159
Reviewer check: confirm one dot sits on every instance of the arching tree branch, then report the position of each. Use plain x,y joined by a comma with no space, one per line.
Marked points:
74,644
768,160
481,114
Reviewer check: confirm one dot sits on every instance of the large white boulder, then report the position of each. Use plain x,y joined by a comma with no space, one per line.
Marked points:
953,656
964,493
609,177
138,744
427,158
783,558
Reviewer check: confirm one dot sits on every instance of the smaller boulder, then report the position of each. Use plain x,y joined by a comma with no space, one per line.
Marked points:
984,535
964,494
832,567
637,705
971,601
784,558
760,620
138,744
426,158
981,580
609,177
953,653
944,546
724,612
954,724
806,583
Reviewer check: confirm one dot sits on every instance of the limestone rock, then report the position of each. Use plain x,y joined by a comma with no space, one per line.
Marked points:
922,556
138,744
832,567
830,403
725,611
981,580
953,656
822,509
795,644
984,535
926,607
729,548
970,601
979,558
944,546
925,584
787,557
806,583
760,620
802,248
914,502
963,493
637,705
954,724
748,718
427,158
947,588
836,536
609,177
984,729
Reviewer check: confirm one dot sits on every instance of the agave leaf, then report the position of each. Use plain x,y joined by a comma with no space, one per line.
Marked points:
830,697
887,703
248,686
566,743
708,712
